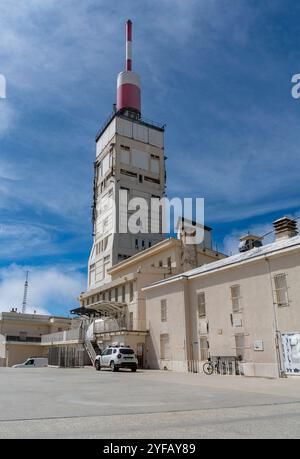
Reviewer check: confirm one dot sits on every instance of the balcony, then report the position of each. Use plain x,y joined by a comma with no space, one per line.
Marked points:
73,336
112,325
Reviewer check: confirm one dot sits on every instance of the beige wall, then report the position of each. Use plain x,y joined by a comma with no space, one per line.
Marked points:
13,324
18,353
258,313
175,327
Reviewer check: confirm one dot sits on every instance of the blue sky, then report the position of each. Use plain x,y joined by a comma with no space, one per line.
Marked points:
218,73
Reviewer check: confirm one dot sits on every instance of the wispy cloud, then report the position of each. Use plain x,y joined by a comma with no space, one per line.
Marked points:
8,117
50,288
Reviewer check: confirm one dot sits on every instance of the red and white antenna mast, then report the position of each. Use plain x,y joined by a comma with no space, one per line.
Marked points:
129,45
128,84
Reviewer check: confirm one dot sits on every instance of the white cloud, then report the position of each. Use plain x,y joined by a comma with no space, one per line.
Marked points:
8,117
49,287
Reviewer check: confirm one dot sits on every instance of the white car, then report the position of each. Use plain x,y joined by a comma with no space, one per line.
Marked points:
33,362
116,357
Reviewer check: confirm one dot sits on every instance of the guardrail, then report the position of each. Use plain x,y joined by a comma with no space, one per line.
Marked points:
109,325
75,334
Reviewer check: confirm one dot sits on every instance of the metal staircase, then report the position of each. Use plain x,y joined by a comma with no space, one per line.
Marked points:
92,349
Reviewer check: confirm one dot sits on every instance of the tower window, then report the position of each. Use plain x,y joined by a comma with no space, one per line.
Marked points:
140,178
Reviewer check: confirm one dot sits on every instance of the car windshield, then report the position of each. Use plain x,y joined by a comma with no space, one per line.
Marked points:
126,351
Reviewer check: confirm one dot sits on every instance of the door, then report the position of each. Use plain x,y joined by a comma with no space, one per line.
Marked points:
291,353
105,357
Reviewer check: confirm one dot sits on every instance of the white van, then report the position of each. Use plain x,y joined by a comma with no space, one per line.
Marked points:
33,362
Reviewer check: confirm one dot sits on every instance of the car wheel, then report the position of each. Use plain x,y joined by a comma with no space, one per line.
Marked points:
97,365
113,367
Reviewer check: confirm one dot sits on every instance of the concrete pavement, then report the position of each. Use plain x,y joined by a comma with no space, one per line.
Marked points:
83,403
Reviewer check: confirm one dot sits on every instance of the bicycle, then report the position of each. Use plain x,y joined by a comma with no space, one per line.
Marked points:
211,367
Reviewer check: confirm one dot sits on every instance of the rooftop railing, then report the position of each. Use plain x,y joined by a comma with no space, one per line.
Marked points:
75,334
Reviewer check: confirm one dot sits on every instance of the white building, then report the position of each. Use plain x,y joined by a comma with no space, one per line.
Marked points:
244,307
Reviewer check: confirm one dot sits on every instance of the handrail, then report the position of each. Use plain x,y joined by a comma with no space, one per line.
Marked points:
75,334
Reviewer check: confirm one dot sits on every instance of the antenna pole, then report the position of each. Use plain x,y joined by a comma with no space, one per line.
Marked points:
25,294
129,45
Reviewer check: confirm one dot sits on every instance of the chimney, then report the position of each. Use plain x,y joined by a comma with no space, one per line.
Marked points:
284,228
249,241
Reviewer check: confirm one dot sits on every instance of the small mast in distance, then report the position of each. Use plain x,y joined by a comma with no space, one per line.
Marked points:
128,83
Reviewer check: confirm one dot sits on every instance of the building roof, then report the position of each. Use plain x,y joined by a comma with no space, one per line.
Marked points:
251,255
12,315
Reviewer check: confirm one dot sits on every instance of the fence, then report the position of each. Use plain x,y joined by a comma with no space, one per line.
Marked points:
66,357
224,366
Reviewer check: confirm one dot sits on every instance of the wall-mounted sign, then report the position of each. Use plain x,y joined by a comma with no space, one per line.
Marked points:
258,345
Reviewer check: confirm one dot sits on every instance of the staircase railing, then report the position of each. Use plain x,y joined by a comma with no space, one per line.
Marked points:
90,350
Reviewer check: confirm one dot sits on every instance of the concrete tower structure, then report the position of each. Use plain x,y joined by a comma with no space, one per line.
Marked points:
129,157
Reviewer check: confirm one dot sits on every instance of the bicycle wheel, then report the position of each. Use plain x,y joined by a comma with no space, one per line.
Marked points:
208,368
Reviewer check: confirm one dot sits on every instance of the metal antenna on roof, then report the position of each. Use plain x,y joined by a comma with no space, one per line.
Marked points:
24,304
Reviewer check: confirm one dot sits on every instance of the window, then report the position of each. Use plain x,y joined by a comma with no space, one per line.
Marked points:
169,262
204,346
125,156
150,244
116,294
281,290
109,295
163,310
154,165
109,351
201,305
131,291
235,298
136,244
152,180
127,351
123,293
165,347
140,179
143,244
131,321
92,274
129,173
160,263
30,362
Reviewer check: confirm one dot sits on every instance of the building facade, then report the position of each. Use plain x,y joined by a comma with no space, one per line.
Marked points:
21,335
245,307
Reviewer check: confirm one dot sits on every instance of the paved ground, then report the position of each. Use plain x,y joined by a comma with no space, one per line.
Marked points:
83,403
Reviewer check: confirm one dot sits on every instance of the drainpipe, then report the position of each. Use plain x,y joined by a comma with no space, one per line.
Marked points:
281,371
